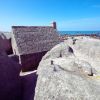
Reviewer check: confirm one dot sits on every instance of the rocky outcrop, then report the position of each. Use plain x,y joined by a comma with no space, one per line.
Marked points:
13,84
87,49
10,83
28,80
70,71
5,43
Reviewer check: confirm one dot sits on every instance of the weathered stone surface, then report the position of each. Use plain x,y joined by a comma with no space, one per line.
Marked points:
5,44
10,86
58,51
31,61
28,84
87,49
66,74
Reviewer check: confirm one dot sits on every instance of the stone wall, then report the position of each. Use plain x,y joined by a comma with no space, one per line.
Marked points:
14,46
30,61
9,49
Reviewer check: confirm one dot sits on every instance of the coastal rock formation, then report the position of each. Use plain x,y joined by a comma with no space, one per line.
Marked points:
70,71
28,80
14,86
87,49
5,43
10,86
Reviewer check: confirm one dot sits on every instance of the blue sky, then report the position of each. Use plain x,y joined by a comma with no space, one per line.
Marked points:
69,14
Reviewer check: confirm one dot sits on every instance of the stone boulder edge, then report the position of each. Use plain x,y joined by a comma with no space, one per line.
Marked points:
10,82
62,75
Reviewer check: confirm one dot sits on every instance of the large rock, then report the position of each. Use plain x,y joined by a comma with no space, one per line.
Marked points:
5,43
28,84
65,73
87,49
10,83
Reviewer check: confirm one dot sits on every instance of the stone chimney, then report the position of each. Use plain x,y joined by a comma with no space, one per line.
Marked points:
54,25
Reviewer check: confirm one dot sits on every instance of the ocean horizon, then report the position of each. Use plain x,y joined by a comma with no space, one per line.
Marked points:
78,32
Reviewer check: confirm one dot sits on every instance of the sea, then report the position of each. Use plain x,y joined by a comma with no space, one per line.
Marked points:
78,32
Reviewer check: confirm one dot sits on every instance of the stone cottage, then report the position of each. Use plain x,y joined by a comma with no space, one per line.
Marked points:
30,43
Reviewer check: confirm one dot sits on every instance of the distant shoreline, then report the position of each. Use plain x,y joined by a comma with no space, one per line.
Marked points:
78,32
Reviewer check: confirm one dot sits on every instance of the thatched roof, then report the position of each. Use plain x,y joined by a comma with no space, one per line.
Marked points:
33,39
